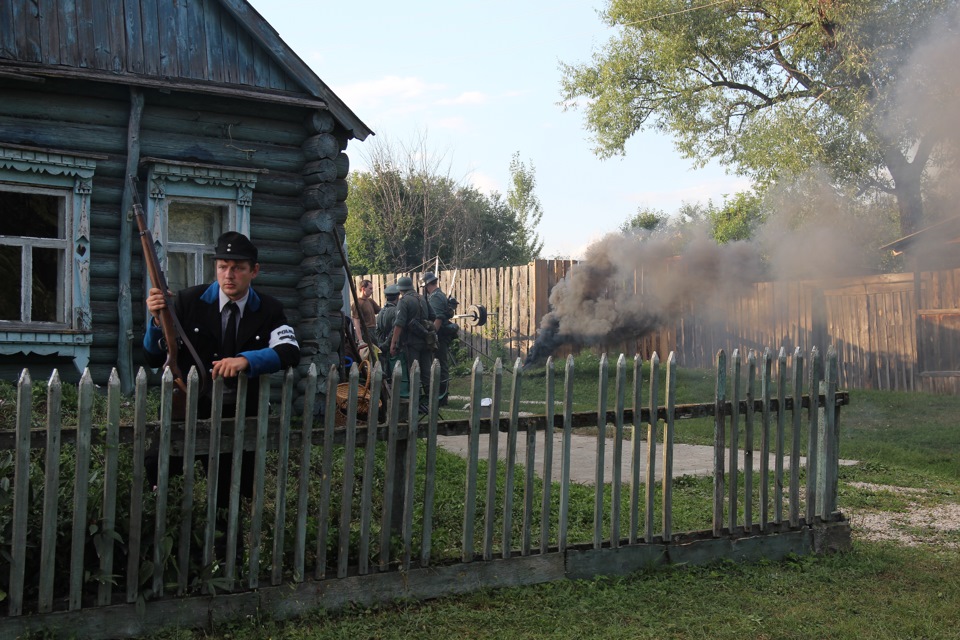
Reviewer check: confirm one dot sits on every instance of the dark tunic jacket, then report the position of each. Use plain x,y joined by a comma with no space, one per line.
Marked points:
263,336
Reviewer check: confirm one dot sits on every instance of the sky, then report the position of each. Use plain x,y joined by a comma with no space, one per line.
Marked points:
481,82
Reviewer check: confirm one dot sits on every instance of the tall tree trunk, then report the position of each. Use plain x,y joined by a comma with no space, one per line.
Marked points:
907,189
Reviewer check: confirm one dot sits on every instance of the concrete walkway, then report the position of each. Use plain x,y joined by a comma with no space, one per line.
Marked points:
687,459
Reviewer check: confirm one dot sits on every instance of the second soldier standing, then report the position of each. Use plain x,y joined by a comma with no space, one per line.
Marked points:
411,333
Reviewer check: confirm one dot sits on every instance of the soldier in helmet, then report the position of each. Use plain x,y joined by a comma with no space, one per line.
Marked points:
386,318
410,333
439,308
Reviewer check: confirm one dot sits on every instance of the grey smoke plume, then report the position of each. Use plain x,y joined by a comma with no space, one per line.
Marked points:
628,285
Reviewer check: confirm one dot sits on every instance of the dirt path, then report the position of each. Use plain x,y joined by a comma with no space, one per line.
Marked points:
688,459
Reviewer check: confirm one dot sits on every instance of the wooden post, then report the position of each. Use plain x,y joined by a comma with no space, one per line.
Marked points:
601,446
125,302
346,494
797,416
547,457
748,441
51,486
430,475
733,451
21,495
652,447
369,469
470,492
303,485
511,463
620,391
136,490
813,444
765,390
719,438
781,424
637,450
671,393
326,464
565,453
492,460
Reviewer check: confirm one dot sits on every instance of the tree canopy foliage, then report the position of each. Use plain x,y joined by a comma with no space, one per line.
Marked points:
407,210
772,88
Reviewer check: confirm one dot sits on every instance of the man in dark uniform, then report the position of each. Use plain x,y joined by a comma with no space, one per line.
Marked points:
386,318
233,328
411,310
439,308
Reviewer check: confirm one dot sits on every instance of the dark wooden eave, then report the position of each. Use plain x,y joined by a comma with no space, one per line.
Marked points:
35,72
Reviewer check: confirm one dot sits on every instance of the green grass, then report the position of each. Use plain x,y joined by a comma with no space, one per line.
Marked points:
875,591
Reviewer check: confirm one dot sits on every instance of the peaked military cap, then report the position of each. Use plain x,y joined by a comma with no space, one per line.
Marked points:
235,246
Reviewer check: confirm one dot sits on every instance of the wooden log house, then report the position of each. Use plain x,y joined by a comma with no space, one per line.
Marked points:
225,127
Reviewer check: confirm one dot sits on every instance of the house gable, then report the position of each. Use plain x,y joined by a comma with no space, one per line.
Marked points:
208,46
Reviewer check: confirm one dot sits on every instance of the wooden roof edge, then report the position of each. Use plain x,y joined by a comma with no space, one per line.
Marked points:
37,72
261,30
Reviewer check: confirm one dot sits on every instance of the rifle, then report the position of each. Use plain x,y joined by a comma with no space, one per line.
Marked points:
173,332
365,333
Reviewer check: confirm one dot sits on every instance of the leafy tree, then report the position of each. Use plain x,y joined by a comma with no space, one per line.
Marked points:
736,218
771,88
406,210
644,220
525,206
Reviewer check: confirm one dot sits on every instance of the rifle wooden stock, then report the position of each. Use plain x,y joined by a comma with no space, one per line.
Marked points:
168,321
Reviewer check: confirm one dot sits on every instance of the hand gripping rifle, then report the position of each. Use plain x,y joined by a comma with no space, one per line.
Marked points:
173,332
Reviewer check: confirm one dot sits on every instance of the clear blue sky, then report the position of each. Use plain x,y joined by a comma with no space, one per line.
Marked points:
481,80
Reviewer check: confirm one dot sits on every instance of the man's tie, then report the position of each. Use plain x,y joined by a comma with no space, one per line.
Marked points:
228,347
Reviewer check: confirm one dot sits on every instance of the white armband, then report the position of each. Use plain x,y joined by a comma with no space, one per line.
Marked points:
283,335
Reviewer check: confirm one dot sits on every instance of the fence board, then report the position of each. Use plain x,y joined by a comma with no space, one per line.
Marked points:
81,487
670,401
51,486
616,480
21,491
186,502
545,504
306,436
601,452
654,398
283,468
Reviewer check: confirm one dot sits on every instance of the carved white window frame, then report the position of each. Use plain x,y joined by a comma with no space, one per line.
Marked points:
169,180
71,177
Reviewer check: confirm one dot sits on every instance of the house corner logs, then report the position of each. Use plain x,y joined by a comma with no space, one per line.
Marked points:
324,203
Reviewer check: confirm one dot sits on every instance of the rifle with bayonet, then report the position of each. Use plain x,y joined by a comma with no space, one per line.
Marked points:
173,333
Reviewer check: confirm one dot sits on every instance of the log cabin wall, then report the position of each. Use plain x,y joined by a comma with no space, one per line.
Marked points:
217,90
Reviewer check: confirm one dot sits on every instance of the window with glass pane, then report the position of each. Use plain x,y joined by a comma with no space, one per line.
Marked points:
192,231
32,253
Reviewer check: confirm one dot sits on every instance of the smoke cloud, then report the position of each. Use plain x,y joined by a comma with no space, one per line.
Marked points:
628,285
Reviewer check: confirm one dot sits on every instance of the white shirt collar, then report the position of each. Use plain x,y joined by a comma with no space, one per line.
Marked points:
241,303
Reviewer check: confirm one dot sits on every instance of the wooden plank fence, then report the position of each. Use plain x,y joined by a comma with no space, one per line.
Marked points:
892,331
347,515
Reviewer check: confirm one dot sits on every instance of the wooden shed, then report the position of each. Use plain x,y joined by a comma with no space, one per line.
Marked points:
225,127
